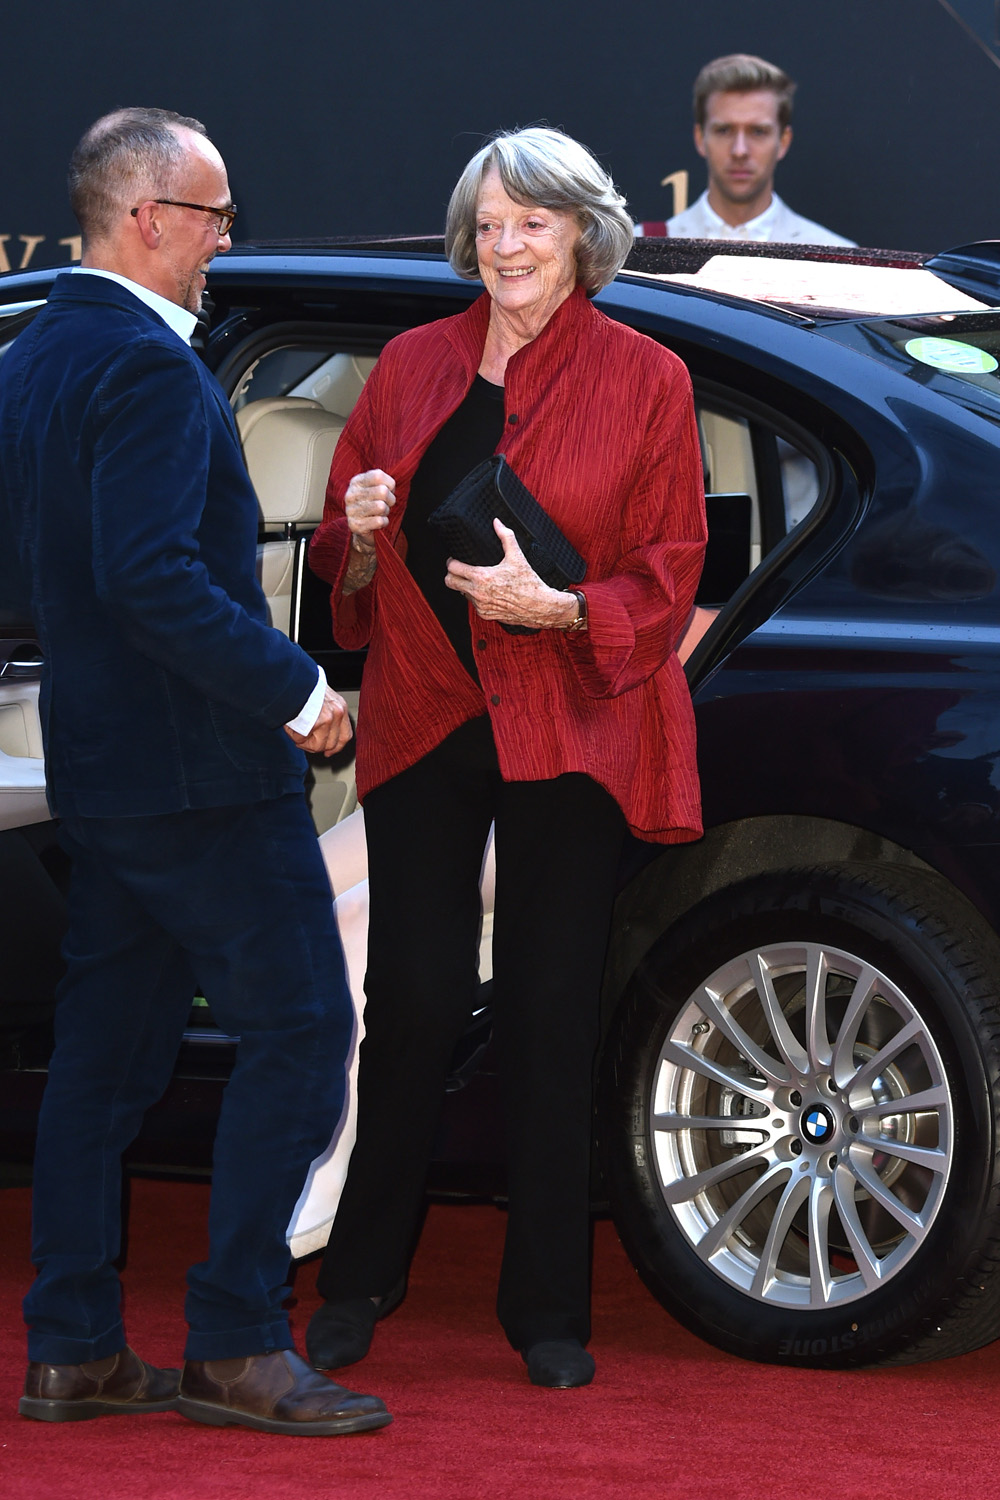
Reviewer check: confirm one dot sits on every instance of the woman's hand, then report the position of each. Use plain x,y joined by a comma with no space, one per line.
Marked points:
369,499
512,592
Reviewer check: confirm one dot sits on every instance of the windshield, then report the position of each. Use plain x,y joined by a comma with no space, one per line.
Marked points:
957,354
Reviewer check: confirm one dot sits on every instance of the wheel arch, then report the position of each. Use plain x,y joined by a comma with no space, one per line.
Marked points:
683,875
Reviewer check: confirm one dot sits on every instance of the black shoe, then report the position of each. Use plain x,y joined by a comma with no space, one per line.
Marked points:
340,1333
560,1363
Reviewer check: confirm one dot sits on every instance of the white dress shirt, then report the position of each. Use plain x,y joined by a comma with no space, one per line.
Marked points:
777,222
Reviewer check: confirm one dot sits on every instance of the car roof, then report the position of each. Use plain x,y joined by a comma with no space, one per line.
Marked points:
800,283
804,281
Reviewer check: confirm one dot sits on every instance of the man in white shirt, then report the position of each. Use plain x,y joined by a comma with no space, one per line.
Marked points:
742,112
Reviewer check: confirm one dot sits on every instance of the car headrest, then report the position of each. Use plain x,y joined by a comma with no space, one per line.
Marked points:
288,444
338,383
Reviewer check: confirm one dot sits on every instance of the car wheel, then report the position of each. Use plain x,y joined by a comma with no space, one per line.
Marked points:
797,1119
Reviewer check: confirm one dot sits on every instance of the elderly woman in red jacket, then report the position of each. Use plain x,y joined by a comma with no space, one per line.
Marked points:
563,737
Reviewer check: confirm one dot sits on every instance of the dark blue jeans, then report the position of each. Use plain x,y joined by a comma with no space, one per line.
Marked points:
237,901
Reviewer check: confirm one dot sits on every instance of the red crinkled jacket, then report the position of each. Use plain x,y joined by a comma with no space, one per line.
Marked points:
601,428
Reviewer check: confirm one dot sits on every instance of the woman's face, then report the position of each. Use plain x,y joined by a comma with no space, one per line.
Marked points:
527,255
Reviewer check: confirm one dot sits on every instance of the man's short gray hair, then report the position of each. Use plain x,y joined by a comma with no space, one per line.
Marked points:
124,158
543,168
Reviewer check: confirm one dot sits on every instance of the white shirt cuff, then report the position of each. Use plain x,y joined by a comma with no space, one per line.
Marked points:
306,718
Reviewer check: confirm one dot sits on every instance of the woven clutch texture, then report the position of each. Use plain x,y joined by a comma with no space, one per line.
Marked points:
492,489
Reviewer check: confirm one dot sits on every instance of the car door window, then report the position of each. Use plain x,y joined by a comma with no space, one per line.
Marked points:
294,394
800,484
331,378
759,485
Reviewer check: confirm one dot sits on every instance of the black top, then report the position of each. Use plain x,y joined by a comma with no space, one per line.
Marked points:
470,434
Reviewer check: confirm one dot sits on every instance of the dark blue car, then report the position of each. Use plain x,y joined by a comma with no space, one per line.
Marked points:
796,1127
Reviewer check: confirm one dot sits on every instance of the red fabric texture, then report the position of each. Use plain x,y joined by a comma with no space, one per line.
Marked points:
667,1416
601,428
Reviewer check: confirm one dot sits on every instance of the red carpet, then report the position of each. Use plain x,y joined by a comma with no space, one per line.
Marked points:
667,1416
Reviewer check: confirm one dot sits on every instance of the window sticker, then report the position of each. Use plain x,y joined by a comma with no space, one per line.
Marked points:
950,354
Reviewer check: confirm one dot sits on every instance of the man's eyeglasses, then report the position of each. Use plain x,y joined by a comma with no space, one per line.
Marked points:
223,216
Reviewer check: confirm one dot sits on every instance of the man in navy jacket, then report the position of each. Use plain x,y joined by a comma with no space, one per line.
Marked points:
174,719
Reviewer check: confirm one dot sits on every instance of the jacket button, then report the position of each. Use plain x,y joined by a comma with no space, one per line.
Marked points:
495,699
480,645
512,419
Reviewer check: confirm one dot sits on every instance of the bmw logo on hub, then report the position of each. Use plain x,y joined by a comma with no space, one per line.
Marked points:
817,1125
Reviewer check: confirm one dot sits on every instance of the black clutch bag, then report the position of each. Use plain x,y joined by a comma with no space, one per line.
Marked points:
465,523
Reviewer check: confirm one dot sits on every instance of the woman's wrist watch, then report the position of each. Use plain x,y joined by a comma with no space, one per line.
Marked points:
580,623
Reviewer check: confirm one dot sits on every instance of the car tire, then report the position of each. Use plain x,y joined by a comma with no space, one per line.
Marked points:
834,1222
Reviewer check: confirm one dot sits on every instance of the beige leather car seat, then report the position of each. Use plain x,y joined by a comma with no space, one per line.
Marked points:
288,444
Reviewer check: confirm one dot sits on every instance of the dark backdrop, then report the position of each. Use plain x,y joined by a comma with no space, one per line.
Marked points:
355,118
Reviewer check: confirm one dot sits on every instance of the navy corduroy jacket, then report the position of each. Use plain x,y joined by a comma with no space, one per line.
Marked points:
124,489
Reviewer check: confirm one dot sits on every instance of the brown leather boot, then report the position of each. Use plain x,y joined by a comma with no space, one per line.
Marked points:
116,1386
274,1393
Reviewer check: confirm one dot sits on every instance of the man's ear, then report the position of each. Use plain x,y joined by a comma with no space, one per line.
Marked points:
784,141
699,140
149,223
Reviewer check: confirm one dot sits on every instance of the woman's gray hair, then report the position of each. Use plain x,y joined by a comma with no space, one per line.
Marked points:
543,168
125,157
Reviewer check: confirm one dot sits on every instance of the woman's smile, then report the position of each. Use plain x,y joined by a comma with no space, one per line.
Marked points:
530,289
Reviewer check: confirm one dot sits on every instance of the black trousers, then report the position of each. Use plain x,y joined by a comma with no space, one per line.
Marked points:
557,849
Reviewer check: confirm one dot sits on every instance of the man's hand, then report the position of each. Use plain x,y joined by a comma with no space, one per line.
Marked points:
331,731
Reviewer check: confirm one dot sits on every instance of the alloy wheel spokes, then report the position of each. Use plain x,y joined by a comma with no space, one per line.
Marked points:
737,1212
687,1188
817,1039
864,987
801,1123
718,1015
868,1263
793,1053
820,1275
795,1193
687,1057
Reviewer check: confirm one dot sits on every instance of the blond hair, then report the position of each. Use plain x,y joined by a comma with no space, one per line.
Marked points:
741,73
